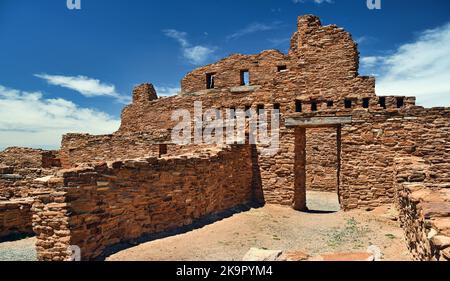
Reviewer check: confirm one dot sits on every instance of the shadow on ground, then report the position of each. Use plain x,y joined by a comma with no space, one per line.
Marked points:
200,223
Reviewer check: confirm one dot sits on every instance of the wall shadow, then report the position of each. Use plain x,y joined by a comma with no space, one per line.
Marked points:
257,188
197,224
16,237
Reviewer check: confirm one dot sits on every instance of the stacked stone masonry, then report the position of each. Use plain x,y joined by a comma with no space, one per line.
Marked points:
102,205
424,209
19,168
121,201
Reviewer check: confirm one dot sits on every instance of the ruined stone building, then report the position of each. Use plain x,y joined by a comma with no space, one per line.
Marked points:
336,135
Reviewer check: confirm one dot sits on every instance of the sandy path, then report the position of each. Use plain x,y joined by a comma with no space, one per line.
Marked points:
279,228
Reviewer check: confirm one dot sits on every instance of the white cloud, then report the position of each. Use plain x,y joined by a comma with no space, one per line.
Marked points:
253,28
86,86
420,68
196,55
167,91
370,62
365,40
28,119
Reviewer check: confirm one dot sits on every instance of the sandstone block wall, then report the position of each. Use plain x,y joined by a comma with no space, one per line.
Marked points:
19,167
20,157
322,160
15,218
424,209
83,148
321,68
95,208
319,76
371,143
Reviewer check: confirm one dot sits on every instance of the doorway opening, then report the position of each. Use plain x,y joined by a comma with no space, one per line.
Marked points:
317,169
322,165
317,162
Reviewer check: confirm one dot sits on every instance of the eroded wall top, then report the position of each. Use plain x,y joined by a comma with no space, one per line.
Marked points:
321,68
318,53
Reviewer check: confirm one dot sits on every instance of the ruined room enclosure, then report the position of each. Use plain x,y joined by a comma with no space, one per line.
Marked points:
115,189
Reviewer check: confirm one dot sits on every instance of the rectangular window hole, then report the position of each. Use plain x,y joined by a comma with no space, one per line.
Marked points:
366,102
282,68
245,78
314,106
162,149
348,103
383,102
298,106
210,80
261,109
400,102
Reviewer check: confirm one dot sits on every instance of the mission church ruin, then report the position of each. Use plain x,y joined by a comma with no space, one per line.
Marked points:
335,135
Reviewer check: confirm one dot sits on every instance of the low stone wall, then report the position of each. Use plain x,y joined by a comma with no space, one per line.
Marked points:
19,168
424,210
85,148
21,157
15,218
98,207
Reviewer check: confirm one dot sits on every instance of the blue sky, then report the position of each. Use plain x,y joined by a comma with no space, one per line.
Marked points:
67,70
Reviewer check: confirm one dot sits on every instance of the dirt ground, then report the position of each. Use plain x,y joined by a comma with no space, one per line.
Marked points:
323,230
19,250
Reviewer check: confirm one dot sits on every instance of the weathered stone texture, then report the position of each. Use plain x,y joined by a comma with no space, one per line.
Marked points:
101,206
19,167
424,209
322,159
15,217
168,187
20,157
83,148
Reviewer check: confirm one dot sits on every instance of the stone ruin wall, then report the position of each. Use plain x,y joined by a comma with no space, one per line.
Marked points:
321,66
371,143
101,206
19,167
424,209
321,74
322,159
422,183
321,69
84,148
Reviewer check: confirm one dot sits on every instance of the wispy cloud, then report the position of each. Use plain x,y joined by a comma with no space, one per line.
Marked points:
253,28
315,1
195,54
370,63
420,68
276,42
167,91
28,119
86,86
365,40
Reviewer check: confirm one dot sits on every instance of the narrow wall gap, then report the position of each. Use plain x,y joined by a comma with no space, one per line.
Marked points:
245,78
